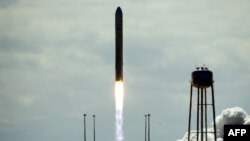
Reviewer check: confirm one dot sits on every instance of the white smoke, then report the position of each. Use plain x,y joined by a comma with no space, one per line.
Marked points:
119,126
235,115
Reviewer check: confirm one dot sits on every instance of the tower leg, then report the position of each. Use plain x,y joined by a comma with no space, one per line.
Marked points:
215,129
198,112
206,112
190,110
202,114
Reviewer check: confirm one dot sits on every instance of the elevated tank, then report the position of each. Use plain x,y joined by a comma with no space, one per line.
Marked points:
202,78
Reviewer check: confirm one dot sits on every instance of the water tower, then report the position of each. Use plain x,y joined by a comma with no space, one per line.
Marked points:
202,79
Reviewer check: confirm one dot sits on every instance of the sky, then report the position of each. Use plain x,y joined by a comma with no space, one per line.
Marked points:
57,62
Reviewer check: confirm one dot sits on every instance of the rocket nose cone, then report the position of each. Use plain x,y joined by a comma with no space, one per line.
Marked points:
118,11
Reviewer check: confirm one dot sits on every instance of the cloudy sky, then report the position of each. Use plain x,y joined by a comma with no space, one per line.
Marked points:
57,62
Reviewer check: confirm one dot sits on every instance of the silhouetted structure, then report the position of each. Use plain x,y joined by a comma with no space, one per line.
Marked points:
147,127
202,79
94,127
118,45
84,123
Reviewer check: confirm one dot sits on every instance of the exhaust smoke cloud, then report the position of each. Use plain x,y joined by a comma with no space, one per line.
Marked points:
234,115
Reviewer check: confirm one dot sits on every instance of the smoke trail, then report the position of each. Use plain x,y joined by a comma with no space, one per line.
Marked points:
119,93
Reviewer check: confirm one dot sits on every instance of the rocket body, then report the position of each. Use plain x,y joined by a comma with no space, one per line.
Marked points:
118,45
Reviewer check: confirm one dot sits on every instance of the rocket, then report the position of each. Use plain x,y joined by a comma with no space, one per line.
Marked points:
118,45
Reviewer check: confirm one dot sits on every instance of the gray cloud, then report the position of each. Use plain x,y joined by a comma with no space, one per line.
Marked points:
7,3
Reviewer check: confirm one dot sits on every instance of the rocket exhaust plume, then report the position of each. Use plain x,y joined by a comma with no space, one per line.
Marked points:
119,110
119,91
